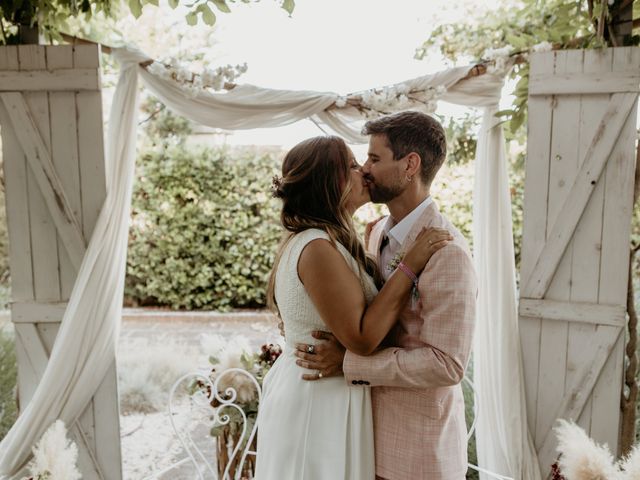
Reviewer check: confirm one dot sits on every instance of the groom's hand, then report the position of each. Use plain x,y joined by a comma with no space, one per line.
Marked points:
327,356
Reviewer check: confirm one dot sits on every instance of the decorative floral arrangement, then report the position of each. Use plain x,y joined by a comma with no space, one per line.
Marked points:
54,456
395,261
392,98
583,459
237,354
194,83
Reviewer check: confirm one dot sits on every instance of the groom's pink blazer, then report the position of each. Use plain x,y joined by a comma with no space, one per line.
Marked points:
418,406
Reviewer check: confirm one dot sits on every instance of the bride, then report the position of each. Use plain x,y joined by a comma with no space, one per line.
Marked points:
323,280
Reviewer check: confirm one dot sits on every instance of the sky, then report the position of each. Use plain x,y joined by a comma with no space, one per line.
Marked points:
325,45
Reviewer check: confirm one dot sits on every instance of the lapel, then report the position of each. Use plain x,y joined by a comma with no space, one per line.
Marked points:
426,219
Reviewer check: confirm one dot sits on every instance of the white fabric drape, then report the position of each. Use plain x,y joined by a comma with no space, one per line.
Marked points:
503,441
85,344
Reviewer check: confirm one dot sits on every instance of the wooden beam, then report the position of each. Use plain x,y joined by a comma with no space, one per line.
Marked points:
579,390
583,312
585,83
37,312
39,160
55,80
592,166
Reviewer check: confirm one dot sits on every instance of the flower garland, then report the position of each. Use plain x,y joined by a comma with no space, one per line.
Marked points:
381,101
193,83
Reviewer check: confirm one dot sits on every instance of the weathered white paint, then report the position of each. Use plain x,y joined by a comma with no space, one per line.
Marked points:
68,79
587,82
53,152
577,217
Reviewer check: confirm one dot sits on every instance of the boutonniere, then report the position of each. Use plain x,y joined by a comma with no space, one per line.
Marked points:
395,261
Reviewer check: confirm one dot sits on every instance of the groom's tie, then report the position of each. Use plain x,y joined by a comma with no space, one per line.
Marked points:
384,242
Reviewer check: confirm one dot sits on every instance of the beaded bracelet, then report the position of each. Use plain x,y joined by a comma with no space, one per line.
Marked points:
415,294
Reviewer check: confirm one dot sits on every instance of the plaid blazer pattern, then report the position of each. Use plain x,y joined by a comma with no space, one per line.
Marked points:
418,406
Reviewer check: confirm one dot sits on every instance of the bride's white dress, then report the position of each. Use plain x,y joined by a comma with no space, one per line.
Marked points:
311,430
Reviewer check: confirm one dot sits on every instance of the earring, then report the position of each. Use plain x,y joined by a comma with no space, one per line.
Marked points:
409,178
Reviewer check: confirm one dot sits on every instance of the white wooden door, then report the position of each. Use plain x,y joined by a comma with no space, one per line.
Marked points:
53,154
577,219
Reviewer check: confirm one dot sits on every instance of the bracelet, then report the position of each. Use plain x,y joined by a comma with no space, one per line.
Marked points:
407,271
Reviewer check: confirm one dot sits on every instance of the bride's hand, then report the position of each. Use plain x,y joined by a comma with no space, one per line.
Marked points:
428,242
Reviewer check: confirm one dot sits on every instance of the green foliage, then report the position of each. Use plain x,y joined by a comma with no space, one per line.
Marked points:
52,16
562,23
161,125
461,138
204,228
8,382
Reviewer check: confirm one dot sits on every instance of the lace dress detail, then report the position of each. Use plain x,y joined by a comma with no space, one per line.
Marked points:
297,311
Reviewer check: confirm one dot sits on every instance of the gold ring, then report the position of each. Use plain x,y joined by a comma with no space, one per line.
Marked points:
319,374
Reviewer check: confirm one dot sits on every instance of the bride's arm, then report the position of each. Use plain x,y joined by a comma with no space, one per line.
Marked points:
337,293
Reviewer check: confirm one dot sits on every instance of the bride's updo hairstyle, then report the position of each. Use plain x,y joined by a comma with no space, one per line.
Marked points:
314,189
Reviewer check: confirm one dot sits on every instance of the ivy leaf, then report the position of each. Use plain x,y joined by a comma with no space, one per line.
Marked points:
504,113
192,18
174,3
516,121
136,8
221,5
152,2
289,5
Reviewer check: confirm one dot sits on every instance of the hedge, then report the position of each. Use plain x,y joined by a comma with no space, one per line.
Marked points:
204,228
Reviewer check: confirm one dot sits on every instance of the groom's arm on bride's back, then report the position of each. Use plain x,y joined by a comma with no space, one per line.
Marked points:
446,321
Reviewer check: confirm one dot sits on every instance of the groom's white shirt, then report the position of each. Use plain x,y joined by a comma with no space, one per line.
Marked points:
397,232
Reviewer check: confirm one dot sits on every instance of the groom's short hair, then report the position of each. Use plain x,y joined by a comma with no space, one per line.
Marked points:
411,131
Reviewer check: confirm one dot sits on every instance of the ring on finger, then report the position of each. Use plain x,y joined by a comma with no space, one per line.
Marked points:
320,374
311,349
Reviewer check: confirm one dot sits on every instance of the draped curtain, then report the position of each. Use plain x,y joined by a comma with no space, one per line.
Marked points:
86,342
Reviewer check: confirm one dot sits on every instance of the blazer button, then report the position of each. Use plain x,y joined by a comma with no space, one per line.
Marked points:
366,383
354,382
360,382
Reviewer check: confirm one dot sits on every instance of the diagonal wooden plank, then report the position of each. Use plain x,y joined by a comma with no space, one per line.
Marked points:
50,185
595,159
581,386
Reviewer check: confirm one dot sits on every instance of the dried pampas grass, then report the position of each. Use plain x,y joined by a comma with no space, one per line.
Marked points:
581,458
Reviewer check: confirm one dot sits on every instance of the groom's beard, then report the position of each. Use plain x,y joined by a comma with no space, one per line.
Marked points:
382,193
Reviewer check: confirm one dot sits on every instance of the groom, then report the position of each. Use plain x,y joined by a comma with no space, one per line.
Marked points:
418,406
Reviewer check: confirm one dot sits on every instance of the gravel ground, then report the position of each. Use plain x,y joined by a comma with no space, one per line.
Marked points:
149,444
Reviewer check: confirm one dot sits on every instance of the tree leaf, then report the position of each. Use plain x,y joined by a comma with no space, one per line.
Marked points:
192,18
207,14
136,8
289,5
221,5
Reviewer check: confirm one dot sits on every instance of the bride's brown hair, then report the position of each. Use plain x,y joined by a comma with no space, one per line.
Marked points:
314,189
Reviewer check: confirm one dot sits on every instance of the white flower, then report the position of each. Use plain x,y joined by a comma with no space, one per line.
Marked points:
341,102
402,88
440,90
157,68
55,455
432,106
494,53
542,47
